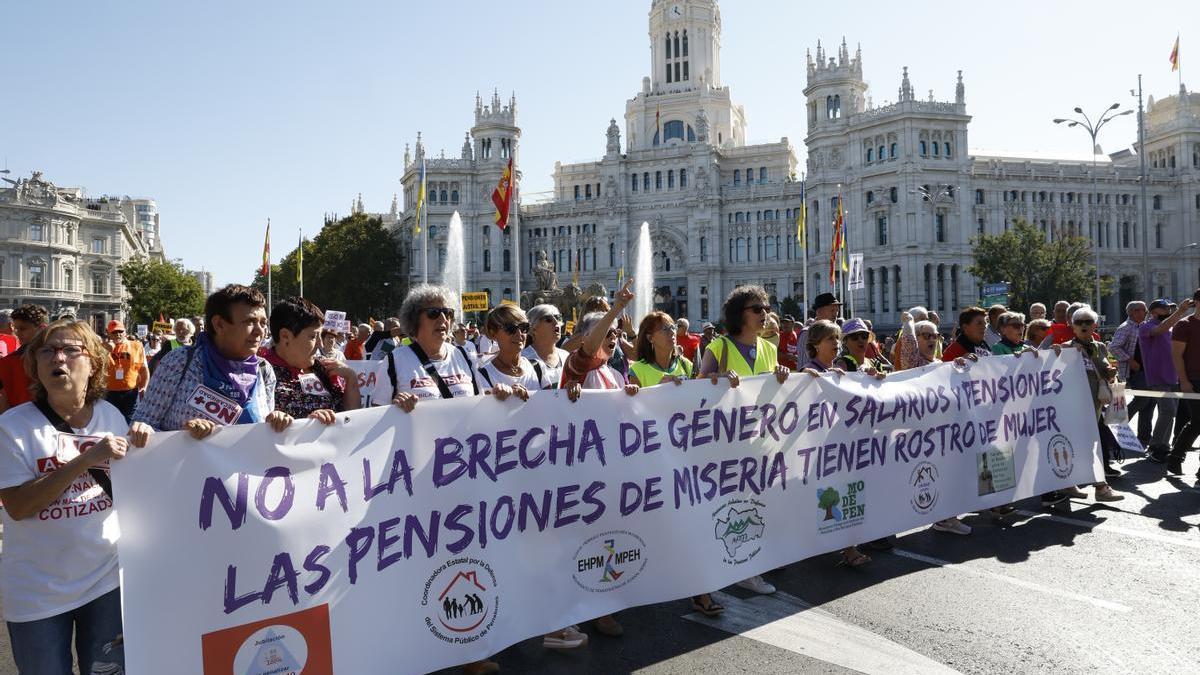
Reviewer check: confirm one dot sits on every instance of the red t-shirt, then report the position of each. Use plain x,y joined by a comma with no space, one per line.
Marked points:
787,349
354,350
1062,333
13,379
690,343
8,344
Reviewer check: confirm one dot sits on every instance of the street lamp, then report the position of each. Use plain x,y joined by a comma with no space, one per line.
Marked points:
1093,130
942,192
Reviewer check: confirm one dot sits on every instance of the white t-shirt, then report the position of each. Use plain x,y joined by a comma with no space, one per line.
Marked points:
486,345
488,375
412,377
65,556
551,375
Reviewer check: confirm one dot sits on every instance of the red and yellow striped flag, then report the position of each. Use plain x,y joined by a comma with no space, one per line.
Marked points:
266,263
1175,55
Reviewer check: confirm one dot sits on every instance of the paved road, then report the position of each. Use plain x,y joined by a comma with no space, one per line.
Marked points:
1082,588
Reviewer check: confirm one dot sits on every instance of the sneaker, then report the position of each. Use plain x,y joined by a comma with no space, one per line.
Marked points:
1053,498
568,638
1175,466
1073,492
608,625
1111,471
952,525
1105,493
757,584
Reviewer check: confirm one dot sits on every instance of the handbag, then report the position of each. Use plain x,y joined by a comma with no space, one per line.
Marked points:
1117,411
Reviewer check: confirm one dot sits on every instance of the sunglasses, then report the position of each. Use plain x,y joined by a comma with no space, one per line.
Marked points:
435,312
513,328
669,328
760,309
1084,322
552,318
613,332
857,336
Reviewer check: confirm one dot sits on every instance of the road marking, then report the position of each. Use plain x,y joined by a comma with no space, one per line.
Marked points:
1117,529
787,622
973,569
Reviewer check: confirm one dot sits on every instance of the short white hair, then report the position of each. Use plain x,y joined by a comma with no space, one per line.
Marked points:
682,324
1084,312
186,322
1035,306
924,324
919,313
1134,304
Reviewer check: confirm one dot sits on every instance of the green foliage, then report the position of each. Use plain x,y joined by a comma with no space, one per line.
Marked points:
354,265
792,305
160,288
1038,270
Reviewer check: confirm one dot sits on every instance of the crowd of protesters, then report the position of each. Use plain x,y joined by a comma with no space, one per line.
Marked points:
58,575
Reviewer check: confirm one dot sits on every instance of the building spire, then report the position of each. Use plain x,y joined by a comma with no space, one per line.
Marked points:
906,89
960,92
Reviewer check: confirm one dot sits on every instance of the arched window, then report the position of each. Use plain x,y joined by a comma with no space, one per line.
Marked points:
691,133
924,147
454,196
487,260
749,176
703,249
892,151
657,180
829,112
646,181
881,155
683,178
837,105
612,254
741,249
634,184
1157,202
668,45
870,197
947,148
936,149
670,179
673,129
1158,235
737,177
685,46
894,194
762,174
676,42
738,217
444,195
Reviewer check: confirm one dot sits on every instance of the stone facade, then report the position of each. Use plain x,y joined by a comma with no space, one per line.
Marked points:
722,212
61,249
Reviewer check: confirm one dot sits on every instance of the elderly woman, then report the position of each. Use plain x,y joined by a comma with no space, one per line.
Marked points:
742,353
328,347
770,330
658,353
1096,363
58,575
305,385
856,339
545,330
1036,331
1011,326
823,339
508,329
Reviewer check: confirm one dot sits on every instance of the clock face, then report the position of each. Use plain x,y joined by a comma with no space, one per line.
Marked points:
676,11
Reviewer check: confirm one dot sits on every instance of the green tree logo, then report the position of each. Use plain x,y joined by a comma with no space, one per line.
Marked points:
828,499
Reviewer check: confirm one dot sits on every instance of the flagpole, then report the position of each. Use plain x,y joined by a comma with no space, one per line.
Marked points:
425,243
804,244
269,304
300,263
846,259
515,212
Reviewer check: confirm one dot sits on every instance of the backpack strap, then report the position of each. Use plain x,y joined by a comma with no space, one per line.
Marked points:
470,367
102,479
483,371
430,370
537,368
391,373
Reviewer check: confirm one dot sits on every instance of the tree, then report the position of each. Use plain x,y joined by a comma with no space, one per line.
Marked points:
157,287
354,265
828,500
1037,269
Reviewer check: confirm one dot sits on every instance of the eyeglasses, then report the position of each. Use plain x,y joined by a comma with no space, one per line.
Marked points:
435,312
760,309
71,352
927,335
552,318
669,328
512,328
1084,322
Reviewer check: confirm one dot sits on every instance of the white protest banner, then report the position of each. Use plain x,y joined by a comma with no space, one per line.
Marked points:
397,542
143,330
1127,438
334,319
855,279
374,385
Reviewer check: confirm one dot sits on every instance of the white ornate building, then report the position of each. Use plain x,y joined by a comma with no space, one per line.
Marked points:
61,249
722,212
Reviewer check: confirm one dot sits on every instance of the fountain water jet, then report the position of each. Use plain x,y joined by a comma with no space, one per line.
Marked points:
643,285
454,274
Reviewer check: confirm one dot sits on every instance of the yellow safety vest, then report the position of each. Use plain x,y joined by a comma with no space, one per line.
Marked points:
649,374
765,357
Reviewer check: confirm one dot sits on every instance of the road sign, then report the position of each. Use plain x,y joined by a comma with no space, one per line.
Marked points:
999,288
475,302
989,300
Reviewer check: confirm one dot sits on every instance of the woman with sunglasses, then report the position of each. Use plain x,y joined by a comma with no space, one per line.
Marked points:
1098,367
508,329
856,338
1012,329
545,330
658,354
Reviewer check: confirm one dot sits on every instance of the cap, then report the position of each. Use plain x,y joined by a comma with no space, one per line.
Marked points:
1161,302
855,325
788,318
707,325
115,325
824,300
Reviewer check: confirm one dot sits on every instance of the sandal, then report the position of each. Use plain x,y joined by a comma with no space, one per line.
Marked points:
713,608
852,557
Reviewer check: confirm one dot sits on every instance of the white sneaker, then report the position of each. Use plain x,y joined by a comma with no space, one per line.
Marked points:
757,584
952,525
568,638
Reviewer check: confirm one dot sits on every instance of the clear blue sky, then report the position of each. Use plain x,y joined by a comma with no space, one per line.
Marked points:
229,112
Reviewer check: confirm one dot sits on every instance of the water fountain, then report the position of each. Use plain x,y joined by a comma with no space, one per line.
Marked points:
643,285
454,275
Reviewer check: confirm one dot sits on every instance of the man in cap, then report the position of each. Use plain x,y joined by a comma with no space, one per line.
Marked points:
1154,342
826,307
128,372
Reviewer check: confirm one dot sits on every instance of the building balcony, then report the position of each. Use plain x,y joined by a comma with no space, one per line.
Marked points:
34,293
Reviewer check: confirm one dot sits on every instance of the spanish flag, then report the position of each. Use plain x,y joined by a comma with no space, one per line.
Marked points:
838,243
1175,55
266,263
420,193
300,262
502,196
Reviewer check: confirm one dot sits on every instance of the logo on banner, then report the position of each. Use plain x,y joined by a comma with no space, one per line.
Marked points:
841,510
924,483
609,561
1060,455
293,643
220,409
739,525
462,594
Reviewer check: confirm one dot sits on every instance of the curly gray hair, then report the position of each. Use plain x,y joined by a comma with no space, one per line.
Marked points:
418,297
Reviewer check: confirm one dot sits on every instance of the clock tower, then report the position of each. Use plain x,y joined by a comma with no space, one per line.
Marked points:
683,100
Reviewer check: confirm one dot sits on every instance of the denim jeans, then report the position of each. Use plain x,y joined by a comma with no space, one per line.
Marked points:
43,647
